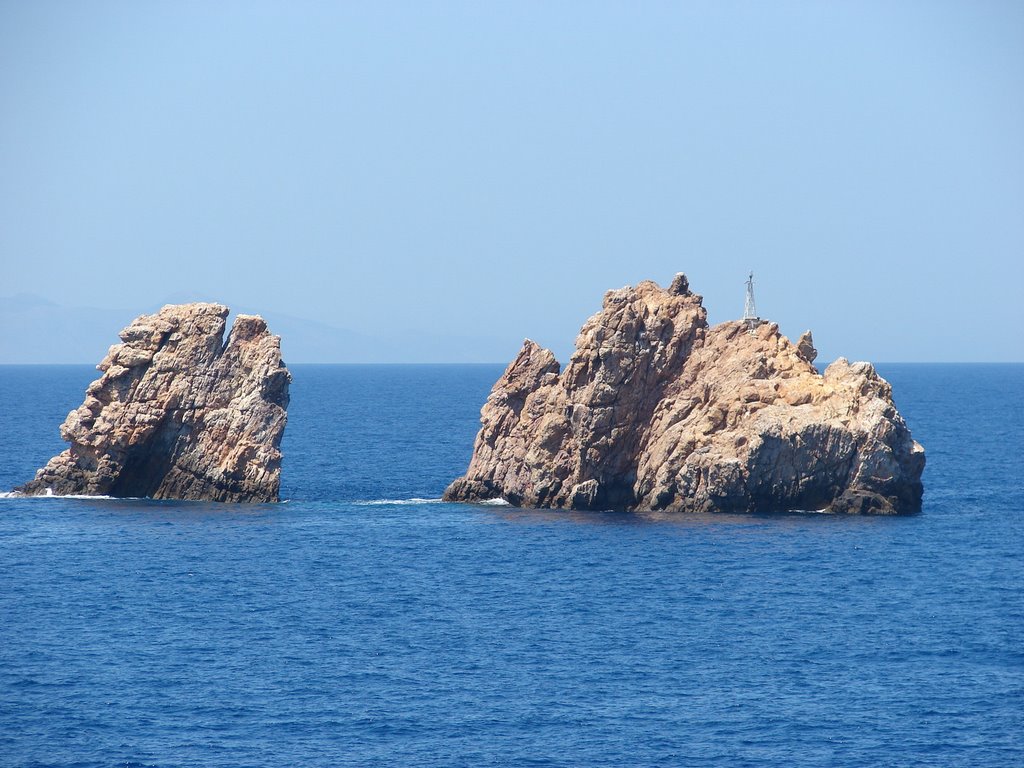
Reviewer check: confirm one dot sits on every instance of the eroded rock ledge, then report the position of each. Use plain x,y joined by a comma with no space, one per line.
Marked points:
658,411
179,414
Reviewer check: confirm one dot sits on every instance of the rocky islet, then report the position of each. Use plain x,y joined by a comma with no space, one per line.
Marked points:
178,413
656,410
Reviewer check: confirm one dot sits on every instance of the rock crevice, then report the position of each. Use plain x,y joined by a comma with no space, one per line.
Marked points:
658,411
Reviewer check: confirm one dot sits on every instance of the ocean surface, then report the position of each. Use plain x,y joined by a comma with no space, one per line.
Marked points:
364,623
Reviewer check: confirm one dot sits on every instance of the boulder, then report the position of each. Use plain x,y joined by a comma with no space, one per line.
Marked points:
805,347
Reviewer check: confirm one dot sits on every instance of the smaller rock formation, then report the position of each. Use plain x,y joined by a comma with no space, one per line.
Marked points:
658,411
805,347
179,414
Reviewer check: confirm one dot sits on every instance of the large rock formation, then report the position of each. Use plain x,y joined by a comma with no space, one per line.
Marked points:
179,414
658,411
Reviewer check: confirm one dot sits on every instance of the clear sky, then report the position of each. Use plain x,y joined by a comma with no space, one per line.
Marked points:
453,177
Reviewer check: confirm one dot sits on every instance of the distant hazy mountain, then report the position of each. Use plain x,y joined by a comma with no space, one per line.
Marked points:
36,330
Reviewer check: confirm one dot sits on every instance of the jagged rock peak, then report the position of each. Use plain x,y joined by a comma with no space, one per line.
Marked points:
680,285
805,347
658,411
178,413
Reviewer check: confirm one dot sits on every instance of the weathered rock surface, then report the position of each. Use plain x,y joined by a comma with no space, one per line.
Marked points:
179,414
658,411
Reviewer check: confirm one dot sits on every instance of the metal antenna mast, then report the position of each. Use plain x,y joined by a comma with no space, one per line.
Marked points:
749,310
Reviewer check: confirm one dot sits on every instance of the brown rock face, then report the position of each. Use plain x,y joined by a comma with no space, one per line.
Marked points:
658,411
179,414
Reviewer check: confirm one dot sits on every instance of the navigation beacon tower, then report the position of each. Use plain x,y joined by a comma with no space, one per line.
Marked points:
749,310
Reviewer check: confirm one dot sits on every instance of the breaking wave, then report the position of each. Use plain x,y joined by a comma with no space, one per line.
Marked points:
416,501
395,502
16,495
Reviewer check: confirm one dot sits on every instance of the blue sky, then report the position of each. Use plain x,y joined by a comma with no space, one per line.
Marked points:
453,177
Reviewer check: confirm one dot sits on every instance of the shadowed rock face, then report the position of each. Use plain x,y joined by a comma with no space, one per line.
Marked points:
658,411
179,414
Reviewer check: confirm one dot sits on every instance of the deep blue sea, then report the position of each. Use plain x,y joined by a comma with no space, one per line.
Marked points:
363,623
